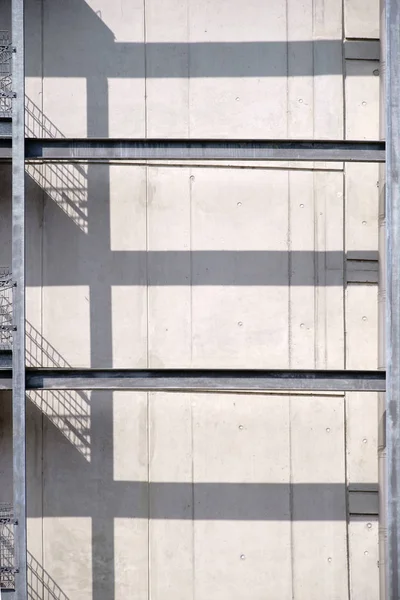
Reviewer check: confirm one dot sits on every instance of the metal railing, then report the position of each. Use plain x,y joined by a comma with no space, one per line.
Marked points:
5,74
7,554
6,313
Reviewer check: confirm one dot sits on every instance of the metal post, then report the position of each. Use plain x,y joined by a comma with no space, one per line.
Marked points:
18,270
382,319
393,296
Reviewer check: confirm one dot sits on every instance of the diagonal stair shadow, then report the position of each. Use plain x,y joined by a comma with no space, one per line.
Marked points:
69,411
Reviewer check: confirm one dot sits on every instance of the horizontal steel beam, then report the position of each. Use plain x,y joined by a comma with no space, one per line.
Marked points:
5,127
188,380
64,149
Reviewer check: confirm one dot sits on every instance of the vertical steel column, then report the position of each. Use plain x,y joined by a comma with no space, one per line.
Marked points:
393,296
18,270
382,316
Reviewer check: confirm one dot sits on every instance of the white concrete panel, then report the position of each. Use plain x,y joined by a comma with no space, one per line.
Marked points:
361,18
314,69
127,206
328,19
170,327
169,229
316,269
34,263
33,61
362,327
34,491
131,559
83,47
242,328
126,113
68,541
361,434
66,185
300,60
237,106
302,270
229,20
242,500
69,336
244,320
319,498
68,411
60,97
124,18
225,108
328,63
167,98
129,326
328,198
364,558
239,210
130,453
171,491
362,100
362,202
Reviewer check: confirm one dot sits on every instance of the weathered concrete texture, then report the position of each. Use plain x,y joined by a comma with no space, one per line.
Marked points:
361,230
361,18
176,496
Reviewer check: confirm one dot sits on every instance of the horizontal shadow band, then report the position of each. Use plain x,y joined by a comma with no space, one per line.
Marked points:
171,60
211,268
201,501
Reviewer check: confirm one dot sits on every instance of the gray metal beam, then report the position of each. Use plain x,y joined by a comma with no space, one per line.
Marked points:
5,127
393,296
178,380
59,149
18,273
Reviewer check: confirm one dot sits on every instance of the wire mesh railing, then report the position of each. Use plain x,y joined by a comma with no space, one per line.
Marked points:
6,313
5,74
7,552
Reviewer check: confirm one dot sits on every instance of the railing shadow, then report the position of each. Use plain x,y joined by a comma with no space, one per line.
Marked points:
41,586
69,411
66,184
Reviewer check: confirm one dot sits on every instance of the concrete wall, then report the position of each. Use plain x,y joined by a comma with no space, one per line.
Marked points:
176,496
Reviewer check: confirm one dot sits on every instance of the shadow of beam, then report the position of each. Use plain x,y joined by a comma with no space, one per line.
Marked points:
198,501
197,59
211,268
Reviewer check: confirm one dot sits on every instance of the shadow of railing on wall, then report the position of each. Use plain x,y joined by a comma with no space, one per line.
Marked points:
69,411
41,586
66,184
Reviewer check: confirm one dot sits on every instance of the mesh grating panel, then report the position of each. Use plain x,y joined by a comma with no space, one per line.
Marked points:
6,317
5,73
7,577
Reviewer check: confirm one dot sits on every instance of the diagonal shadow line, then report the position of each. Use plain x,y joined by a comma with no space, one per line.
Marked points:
210,268
65,184
40,582
79,33
69,411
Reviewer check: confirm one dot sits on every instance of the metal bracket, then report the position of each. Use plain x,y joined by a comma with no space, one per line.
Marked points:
8,95
8,521
12,570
